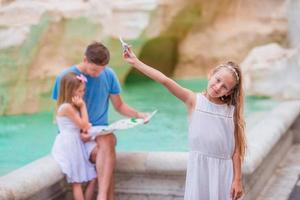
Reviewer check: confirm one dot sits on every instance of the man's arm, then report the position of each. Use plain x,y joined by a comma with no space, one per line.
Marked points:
123,108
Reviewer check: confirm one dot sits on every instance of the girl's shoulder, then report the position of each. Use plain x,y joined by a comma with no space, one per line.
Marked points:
65,109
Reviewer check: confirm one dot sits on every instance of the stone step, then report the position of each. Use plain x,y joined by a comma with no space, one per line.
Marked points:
284,183
296,191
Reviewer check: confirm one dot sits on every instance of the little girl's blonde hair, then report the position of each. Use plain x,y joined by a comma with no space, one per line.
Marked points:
236,98
69,83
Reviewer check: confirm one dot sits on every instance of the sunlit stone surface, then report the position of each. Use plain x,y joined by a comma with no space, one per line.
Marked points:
118,18
271,70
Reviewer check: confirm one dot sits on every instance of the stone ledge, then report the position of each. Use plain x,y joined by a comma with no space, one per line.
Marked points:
30,180
167,163
154,173
264,135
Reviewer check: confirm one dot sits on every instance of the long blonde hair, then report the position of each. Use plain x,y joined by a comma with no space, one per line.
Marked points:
68,85
236,98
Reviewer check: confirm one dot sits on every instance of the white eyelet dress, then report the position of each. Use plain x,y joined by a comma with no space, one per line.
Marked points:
211,141
70,153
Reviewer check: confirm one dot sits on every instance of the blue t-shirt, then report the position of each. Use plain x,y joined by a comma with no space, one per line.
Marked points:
97,93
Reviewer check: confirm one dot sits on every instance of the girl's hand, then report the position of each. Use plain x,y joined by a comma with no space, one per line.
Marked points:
78,101
85,137
86,129
236,190
129,56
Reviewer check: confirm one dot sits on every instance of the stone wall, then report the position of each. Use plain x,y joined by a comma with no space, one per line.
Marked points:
38,39
235,30
33,37
272,71
224,30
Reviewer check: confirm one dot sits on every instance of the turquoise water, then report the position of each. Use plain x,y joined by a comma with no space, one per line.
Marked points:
25,138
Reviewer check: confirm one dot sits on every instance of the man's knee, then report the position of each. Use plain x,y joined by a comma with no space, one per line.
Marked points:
109,139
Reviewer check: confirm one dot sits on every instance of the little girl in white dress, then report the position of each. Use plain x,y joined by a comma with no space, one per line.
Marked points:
216,131
68,149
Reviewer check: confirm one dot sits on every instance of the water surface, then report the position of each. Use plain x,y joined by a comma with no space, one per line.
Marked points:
25,138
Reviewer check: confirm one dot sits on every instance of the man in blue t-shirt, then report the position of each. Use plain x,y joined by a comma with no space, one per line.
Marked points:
102,85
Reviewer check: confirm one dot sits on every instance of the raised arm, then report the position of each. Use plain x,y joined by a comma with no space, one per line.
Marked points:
185,95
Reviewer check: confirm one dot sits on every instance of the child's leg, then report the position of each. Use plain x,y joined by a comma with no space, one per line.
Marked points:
111,195
77,191
89,191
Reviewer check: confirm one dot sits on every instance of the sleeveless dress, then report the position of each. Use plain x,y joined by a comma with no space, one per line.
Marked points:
70,153
211,141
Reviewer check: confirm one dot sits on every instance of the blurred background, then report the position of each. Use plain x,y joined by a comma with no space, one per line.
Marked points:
182,38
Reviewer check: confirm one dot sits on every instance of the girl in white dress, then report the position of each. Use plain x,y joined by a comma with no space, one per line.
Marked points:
216,131
68,149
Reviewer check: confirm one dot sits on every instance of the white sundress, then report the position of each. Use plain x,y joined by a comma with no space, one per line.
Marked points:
70,153
211,141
